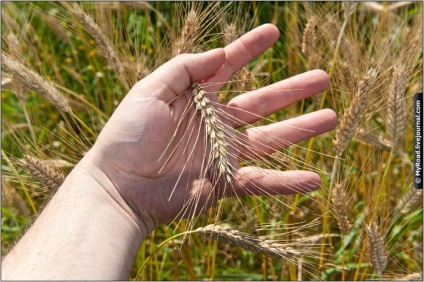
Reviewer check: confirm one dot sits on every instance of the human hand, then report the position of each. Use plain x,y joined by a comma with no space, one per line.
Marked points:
129,148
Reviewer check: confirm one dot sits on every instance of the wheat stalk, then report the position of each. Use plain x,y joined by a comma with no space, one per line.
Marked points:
397,107
214,130
350,120
247,241
104,45
340,208
299,268
45,173
34,81
376,249
189,34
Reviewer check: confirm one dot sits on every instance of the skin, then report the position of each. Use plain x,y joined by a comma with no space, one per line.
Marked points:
115,197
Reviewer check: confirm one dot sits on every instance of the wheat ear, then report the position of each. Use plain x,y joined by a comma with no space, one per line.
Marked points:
348,9
104,45
45,173
410,200
14,47
350,120
230,34
309,37
247,241
397,107
214,130
16,53
347,74
373,139
189,34
377,253
411,277
9,196
34,81
339,199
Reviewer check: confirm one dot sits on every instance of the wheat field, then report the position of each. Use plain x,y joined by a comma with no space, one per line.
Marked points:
67,65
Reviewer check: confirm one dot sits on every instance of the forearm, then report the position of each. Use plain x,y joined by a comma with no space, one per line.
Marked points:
85,232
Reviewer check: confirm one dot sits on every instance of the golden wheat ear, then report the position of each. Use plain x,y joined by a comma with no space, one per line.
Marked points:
397,106
189,34
376,249
103,43
340,208
418,276
214,129
44,172
248,241
32,80
352,116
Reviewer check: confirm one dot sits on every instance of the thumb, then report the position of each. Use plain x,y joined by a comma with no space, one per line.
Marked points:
179,73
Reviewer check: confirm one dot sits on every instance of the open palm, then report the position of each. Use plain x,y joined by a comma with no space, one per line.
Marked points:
157,169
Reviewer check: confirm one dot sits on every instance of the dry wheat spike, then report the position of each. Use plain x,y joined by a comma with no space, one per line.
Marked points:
348,9
230,34
46,174
410,200
10,196
34,81
412,277
350,120
105,47
373,139
309,37
376,249
189,34
247,241
397,107
214,129
14,47
16,53
339,199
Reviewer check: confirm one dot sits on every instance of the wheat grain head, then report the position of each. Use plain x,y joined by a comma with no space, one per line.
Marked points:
103,43
376,248
214,129
247,241
397,108
34,81
349,123
340,205
45,173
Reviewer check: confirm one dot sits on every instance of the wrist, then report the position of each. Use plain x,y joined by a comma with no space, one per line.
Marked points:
111,192
85,232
